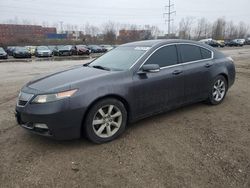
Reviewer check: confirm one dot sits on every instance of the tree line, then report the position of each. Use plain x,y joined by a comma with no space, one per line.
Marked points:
108,33
220,29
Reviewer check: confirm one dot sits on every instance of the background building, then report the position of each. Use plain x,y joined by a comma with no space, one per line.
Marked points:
18,34
133,35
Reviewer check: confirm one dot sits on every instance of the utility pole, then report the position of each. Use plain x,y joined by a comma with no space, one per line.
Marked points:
169,14
61,24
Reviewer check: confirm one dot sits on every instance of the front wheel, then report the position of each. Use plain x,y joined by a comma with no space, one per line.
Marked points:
105,121
218,90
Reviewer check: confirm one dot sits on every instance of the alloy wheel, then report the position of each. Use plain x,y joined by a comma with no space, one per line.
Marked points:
107,121
219,90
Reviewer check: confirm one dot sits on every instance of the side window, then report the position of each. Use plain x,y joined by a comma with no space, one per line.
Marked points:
165,56
190,53
206,54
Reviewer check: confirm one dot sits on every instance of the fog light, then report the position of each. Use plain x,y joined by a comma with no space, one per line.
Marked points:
40,126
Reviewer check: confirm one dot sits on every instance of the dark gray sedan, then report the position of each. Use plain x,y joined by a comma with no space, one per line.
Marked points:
131,82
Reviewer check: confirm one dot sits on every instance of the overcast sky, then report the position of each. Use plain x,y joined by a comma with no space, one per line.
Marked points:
139,12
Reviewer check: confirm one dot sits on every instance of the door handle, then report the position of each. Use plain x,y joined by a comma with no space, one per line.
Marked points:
177,72
208,65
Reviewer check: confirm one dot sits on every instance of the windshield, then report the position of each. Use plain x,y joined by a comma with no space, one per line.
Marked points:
2,50
81,46
42,48
62,48
21,49
121,58
95,47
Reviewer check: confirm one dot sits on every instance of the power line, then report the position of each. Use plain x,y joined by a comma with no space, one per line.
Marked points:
169,14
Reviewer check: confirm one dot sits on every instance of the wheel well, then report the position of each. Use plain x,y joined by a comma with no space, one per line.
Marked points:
225,76
117,97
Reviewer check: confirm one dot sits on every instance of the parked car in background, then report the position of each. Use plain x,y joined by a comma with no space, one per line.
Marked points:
82,50
10,50
234,43
62,50
21,52
52,47
241,41
96,49
248,41
3,54
221,43
212,43
31,49
107,47
43,51
133,81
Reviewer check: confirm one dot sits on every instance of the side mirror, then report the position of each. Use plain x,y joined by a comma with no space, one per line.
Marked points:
149,68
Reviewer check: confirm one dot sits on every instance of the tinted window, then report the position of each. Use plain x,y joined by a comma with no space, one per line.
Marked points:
190,53
206,54
165,56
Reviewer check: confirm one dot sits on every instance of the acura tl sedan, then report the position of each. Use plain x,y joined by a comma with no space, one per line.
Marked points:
131,82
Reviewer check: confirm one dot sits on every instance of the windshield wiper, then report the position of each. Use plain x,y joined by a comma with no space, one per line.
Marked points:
101,67
86,64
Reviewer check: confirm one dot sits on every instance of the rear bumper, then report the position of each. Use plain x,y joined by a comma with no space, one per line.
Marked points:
62,124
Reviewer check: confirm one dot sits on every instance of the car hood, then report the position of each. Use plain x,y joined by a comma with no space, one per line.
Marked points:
63,80
21,51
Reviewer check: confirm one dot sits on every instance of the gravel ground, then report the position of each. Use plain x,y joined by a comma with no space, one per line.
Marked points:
194,146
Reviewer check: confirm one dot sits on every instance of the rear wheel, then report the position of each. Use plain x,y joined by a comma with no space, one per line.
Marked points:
218,90
105,121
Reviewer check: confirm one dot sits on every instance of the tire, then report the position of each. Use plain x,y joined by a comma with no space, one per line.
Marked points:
100,126
218,90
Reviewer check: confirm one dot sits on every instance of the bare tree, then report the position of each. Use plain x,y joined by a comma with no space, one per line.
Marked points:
109,32
203,29
242,30
154,30
231,30
219,28
185,28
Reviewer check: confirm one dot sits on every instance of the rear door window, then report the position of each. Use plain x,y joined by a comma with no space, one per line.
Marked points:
206,54
190,53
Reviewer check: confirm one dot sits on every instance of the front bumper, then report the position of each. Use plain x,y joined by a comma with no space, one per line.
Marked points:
22,55
43,55
3,56
64,53
63,123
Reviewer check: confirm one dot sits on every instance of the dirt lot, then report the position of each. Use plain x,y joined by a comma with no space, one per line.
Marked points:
195,146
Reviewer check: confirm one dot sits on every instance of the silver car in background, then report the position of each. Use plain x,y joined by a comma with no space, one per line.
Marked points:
43,51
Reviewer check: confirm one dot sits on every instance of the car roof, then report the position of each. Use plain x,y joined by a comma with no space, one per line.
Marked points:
154,44
151,43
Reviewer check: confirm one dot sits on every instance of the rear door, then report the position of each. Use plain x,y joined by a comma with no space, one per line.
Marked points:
197,63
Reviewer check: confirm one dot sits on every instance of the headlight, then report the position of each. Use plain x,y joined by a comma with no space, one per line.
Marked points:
53,97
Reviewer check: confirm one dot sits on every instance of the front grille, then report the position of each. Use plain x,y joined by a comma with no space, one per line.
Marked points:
22,103
24,98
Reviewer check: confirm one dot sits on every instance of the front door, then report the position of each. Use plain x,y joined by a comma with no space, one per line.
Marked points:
156,92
